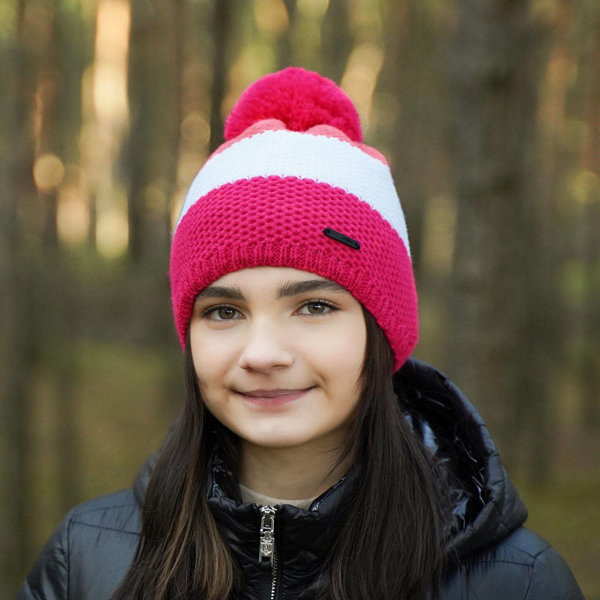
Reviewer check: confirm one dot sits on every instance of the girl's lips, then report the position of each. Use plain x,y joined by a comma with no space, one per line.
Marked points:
273,397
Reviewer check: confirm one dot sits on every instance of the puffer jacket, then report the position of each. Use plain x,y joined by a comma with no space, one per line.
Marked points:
495,557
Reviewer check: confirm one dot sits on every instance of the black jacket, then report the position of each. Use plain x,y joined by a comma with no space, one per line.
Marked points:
497,558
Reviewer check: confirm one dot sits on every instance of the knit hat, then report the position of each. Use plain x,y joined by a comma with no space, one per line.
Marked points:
294,186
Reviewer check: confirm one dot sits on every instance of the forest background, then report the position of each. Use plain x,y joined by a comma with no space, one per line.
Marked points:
489,113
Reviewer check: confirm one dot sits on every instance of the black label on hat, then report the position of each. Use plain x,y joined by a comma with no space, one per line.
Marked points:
340,237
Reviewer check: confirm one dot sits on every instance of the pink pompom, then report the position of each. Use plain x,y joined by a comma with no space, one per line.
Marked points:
301,99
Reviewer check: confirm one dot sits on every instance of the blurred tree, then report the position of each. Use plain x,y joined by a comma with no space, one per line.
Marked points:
337,39
414,91
590,356
58,339
497,61
155,74
220,62
285,52
141,76
47,94
18,270
158,36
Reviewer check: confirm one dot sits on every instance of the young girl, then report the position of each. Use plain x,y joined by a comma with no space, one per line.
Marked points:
313,458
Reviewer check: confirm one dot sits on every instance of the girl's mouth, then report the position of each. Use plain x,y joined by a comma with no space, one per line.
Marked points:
274,397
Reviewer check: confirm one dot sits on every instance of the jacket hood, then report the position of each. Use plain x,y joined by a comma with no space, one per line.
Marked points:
486,506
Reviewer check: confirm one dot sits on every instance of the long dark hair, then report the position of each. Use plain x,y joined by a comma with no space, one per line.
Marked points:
391,543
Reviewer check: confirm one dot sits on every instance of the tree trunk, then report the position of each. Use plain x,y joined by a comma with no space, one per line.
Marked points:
221,32
17,271
285,51
59,333
497,61
590,359
414,131
48,90
155,71
337,39
142,73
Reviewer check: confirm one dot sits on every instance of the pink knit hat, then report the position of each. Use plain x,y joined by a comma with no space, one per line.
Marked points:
294,186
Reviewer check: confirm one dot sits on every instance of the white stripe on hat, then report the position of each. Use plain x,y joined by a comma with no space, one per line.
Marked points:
284,153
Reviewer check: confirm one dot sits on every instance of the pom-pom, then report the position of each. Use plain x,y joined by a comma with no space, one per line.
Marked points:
301,99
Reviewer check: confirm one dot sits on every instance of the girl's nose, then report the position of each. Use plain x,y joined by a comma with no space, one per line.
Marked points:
264,349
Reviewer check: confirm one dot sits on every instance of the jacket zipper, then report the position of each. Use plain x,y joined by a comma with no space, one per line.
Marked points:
267,556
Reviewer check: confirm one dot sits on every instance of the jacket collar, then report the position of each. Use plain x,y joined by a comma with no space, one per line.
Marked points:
302,537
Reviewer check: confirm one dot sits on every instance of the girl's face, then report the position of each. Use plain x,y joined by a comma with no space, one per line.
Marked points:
278,354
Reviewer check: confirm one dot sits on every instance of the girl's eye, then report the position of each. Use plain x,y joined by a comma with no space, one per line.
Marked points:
221,313
316,308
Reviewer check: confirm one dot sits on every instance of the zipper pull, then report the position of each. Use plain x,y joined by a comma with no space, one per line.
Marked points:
267,535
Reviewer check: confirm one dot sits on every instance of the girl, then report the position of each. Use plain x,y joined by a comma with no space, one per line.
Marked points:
313,458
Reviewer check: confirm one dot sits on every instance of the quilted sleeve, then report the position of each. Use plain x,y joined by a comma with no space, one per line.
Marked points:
552,579
522,566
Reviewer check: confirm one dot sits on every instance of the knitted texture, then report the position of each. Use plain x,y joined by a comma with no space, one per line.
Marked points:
299,98
322,158
268,194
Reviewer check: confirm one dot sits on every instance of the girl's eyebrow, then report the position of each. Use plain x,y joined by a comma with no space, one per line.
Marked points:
291,288
217,291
